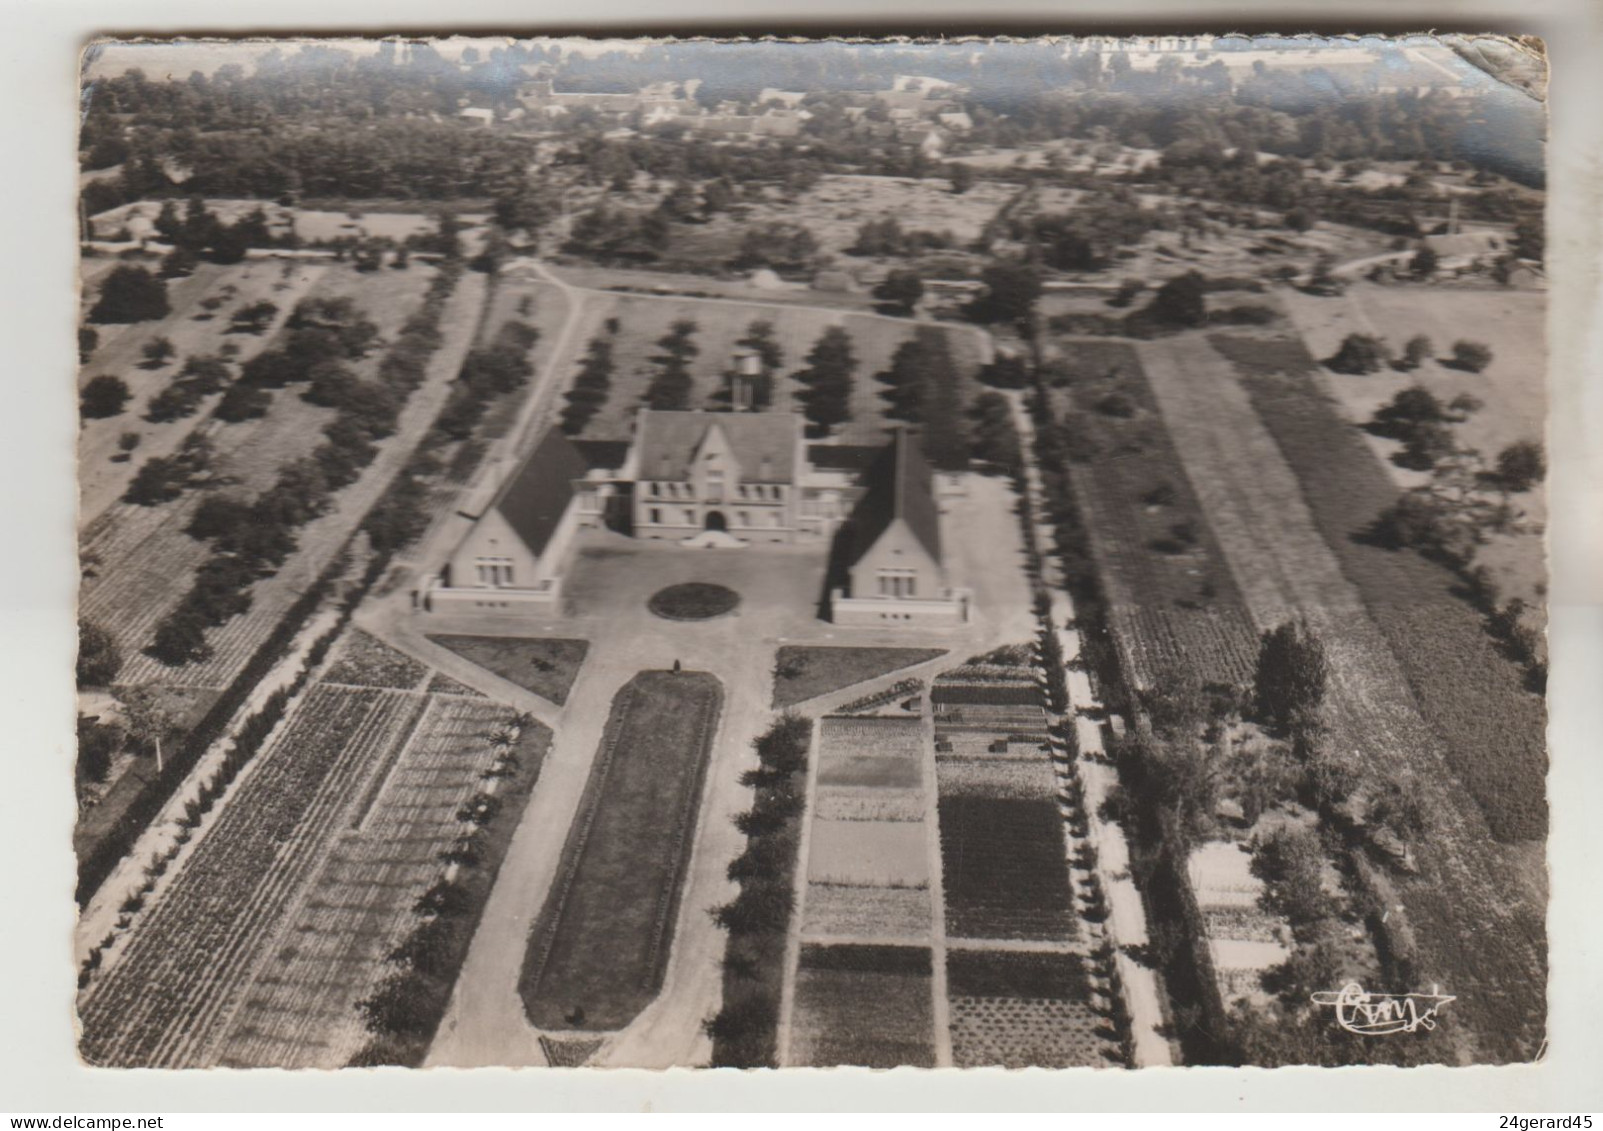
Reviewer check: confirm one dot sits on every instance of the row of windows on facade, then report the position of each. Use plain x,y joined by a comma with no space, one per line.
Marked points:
761,492
897,582
494,571
742,518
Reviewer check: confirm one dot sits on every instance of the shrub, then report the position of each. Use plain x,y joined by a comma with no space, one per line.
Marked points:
1289,686
99,657
1117,405
1179,302
1472,357
1359,354
1521,466
130,294
103,396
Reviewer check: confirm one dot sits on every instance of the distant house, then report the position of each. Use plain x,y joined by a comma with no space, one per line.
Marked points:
931,142
476,116
790,99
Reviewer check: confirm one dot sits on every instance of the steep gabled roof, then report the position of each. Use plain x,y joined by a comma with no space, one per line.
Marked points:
534,499
900,486
764,443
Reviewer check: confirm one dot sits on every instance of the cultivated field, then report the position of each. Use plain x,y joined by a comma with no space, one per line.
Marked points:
1173,601
1512,388
597,954
218,915
152,568
1416,687
643,321
864,1005
300,1009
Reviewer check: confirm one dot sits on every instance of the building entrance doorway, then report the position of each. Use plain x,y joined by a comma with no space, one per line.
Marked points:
716,521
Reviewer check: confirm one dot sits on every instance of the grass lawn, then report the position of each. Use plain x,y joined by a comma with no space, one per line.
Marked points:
546,667
803,672
597,954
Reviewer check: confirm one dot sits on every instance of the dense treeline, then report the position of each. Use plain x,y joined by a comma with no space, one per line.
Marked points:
324,123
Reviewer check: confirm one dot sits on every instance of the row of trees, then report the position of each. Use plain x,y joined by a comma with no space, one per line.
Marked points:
923,386
1362,354
500,368
591,387
744,1029
250,540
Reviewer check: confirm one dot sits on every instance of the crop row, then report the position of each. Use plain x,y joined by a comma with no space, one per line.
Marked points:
168,993
301,1011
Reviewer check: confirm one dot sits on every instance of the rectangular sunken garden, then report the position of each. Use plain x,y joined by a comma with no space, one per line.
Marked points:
598,952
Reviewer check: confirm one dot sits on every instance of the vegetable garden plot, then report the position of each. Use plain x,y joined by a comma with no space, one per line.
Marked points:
845,803
166,997
1029,1033
859,912
871,771
1022,1009
602,941
863,1005
1024,778
1003,869
869,853
994,694
301,1009
366,661
840,737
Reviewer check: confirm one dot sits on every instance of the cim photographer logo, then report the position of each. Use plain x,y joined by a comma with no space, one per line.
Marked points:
1378,1015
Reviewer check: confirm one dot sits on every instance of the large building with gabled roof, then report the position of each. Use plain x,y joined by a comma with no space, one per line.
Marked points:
520,536
895,530
740,473
709,479
894,568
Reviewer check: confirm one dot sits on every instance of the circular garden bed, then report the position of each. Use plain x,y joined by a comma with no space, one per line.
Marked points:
694,600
